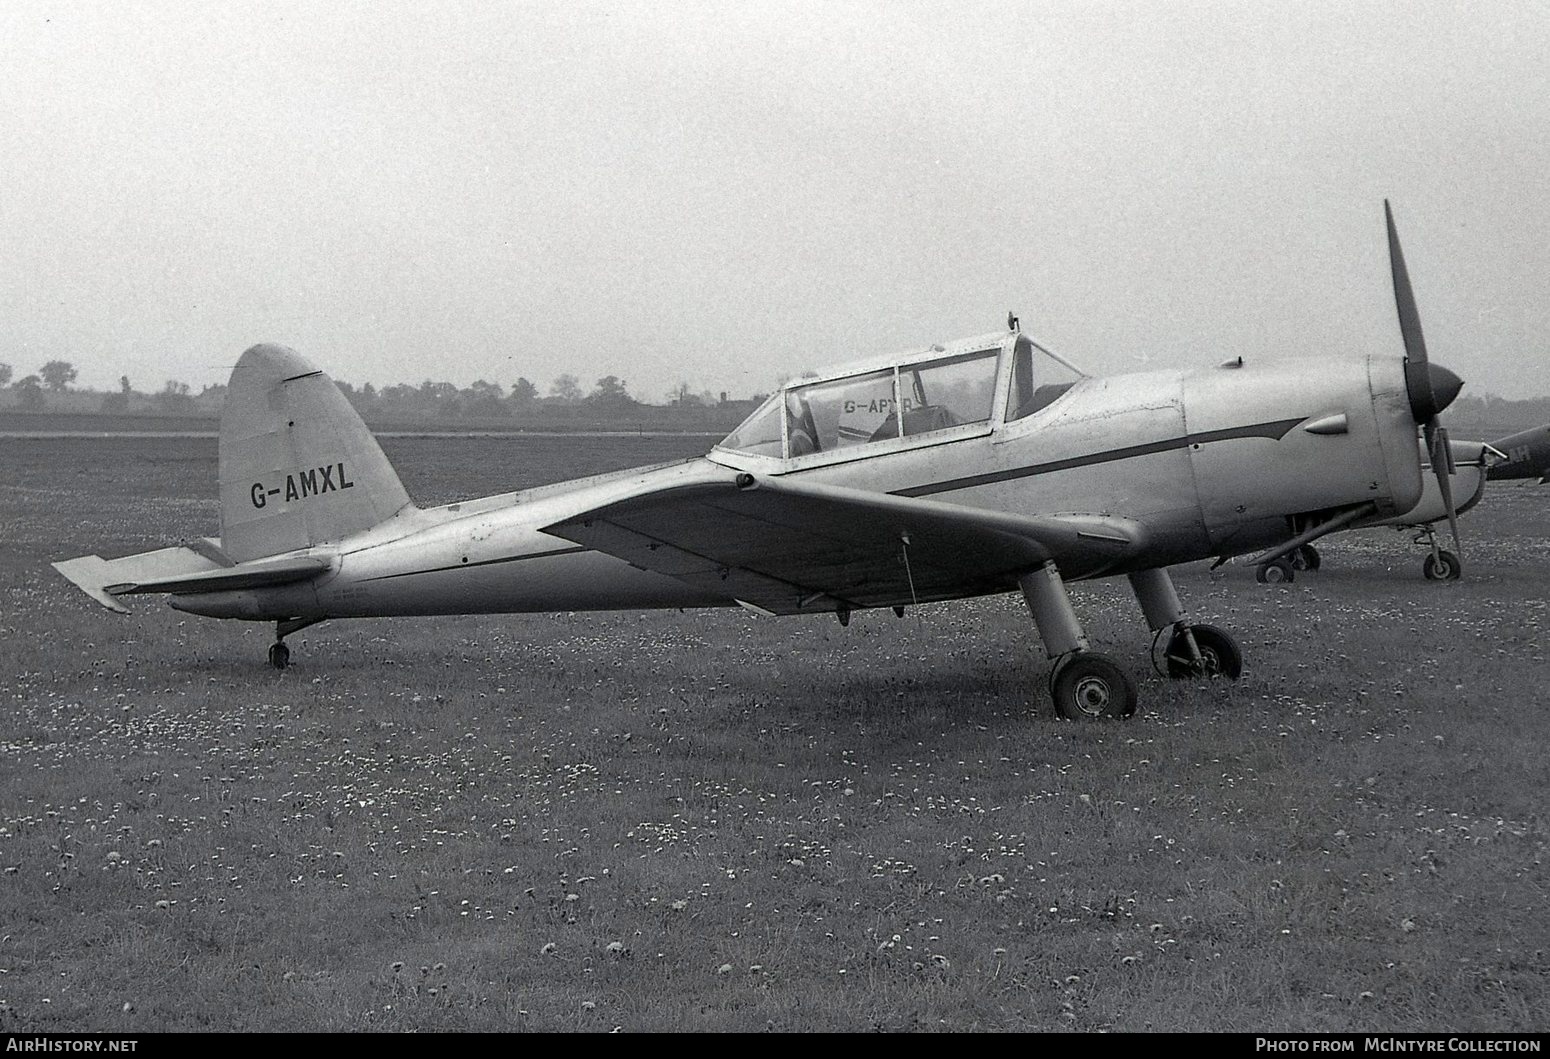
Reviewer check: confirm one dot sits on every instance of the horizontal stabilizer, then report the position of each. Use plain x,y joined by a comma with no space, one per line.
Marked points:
179,570
259,574
90,574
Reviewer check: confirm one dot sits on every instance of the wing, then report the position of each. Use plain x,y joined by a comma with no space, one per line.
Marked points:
789,547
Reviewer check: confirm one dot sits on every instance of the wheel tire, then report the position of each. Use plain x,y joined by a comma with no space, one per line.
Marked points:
1307,558
1443,566
1218,651
279,655
1275,572
1089,686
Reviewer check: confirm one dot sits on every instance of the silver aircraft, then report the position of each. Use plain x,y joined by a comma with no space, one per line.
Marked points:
1467,471
1471,464
982,466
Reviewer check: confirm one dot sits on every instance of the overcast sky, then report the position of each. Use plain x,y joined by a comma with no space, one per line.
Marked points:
728,193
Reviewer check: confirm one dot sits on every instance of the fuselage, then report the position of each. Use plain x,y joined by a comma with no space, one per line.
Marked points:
1526,455
1211,462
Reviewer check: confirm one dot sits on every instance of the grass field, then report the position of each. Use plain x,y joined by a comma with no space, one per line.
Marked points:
709,820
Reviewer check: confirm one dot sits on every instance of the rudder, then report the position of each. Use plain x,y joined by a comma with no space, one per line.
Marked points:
298,467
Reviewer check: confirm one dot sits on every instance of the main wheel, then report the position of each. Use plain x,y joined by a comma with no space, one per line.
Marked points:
1275,572
1305,558
1090,685
1219,654
1443,566
279,655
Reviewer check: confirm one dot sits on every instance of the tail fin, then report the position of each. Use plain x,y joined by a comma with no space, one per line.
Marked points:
297,465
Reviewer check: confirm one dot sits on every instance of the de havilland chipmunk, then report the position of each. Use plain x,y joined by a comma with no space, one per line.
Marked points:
982,466
1467,470
1471,464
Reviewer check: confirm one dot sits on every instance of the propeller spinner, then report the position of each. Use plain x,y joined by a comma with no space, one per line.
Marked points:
1431,386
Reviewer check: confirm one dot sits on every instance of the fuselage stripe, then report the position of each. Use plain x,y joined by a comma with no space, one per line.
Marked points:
1276,431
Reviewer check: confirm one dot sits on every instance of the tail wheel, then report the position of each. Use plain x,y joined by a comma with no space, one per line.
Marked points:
1275,572
1442,566
1090,685
1220,655
279,655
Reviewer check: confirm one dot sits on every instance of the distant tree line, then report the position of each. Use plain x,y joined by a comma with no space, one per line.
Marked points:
1485,417
56,375
608,402
564,403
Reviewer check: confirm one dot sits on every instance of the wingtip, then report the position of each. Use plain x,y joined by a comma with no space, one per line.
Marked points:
84,573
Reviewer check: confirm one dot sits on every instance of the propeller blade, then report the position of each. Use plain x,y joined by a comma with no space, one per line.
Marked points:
1418,379
1431,387
1404,296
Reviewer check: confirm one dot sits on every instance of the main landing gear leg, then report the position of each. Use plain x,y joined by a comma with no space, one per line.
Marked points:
1192,650
1282,562
279,654
1083,683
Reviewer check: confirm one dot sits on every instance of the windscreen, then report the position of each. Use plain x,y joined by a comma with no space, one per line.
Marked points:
760,433
1038,378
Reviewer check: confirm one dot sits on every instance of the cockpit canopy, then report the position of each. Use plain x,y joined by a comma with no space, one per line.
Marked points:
920,393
